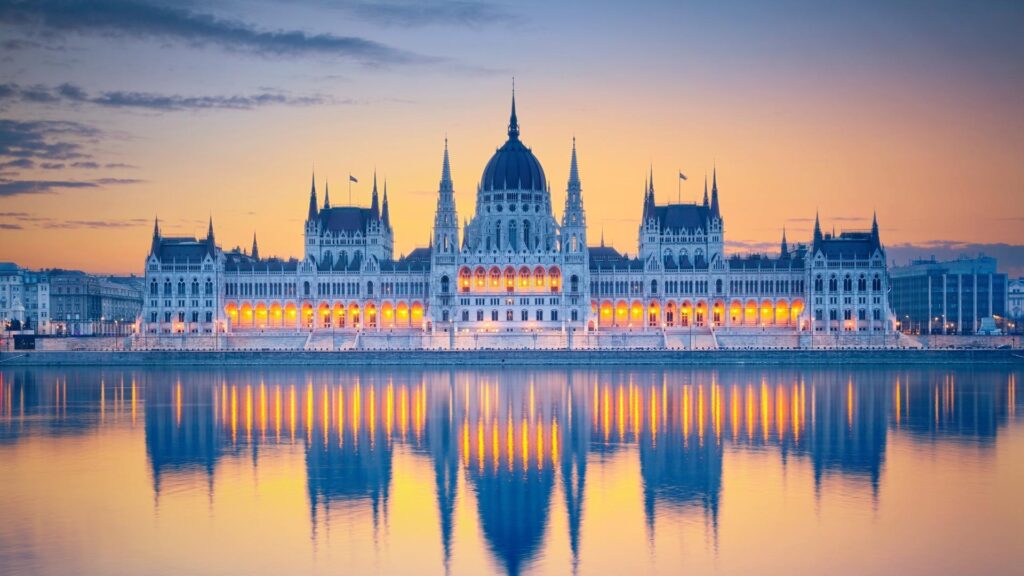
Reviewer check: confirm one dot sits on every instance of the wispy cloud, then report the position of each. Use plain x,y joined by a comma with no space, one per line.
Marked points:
45,139
136,19
72,94
21,220
430,13
10,187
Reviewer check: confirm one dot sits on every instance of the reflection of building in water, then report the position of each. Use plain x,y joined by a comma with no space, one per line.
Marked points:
679,471
516,435
509,447
182,432
349,445
63,402
947,405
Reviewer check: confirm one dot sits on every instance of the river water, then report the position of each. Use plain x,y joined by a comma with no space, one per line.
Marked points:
730,470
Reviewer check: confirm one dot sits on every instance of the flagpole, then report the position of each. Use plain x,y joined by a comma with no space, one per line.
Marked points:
679,187
349,188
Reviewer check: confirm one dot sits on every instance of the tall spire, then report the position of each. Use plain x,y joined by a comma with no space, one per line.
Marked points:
446,169
385,213
156,236
874,225
574,172
312,198
211,245
646,204
513,122
784,249
714,191
209,230
327,196
255,247
374,203
705,189
817,228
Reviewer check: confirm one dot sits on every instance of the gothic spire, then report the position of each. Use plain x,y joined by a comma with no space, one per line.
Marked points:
817,228
209,230
210,244
784,249
513,122
374,203
574,172
874,226
327,196
446,169
714,192
255,248
312,199
705,189
156,236
386,214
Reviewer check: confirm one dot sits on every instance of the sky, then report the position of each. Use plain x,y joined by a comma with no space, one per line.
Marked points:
118,111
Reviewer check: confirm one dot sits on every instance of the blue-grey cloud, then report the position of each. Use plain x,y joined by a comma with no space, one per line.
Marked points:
72,94
23,220
138,19
429,12
52,140
9,187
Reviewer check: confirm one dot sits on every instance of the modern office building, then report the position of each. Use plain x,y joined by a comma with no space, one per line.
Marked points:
932,297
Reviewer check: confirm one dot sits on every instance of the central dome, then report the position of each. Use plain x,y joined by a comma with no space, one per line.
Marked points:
513,166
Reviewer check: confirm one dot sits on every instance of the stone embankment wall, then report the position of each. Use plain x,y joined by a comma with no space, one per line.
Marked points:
898,357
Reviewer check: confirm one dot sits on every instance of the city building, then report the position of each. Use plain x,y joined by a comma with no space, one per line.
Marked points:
514,267
12,296
1015,301
85,305
37,301
954,297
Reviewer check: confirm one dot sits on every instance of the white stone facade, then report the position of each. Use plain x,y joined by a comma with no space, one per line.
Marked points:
514,268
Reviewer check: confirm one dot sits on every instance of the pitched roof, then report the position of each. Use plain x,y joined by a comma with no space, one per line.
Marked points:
682,216
348,219
848,245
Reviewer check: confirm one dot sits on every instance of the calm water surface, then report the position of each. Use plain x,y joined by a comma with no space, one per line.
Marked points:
731,471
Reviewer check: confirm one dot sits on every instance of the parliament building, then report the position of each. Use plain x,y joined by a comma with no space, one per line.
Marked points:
516,268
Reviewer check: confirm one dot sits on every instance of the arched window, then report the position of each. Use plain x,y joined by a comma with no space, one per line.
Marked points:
654,286
181,287
718,286
209,287
154,288
305,288
876,283
862,284
527,240
369,288
574,284
847,283
819,284
444,284
167,287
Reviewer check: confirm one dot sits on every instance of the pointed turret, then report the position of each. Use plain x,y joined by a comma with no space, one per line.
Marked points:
817,229
446,169
574,172
385,213
706,190
211,245
155,246
784,248
327,196
513,121
255,248
874,229
312,199
714,192
374,202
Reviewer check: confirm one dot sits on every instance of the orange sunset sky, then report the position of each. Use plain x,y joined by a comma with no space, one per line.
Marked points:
114,115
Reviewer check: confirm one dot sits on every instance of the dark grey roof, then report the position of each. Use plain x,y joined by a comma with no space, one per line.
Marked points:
608,258
682,216
767,263
848,245
419,254
182,249
237,261
350,219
